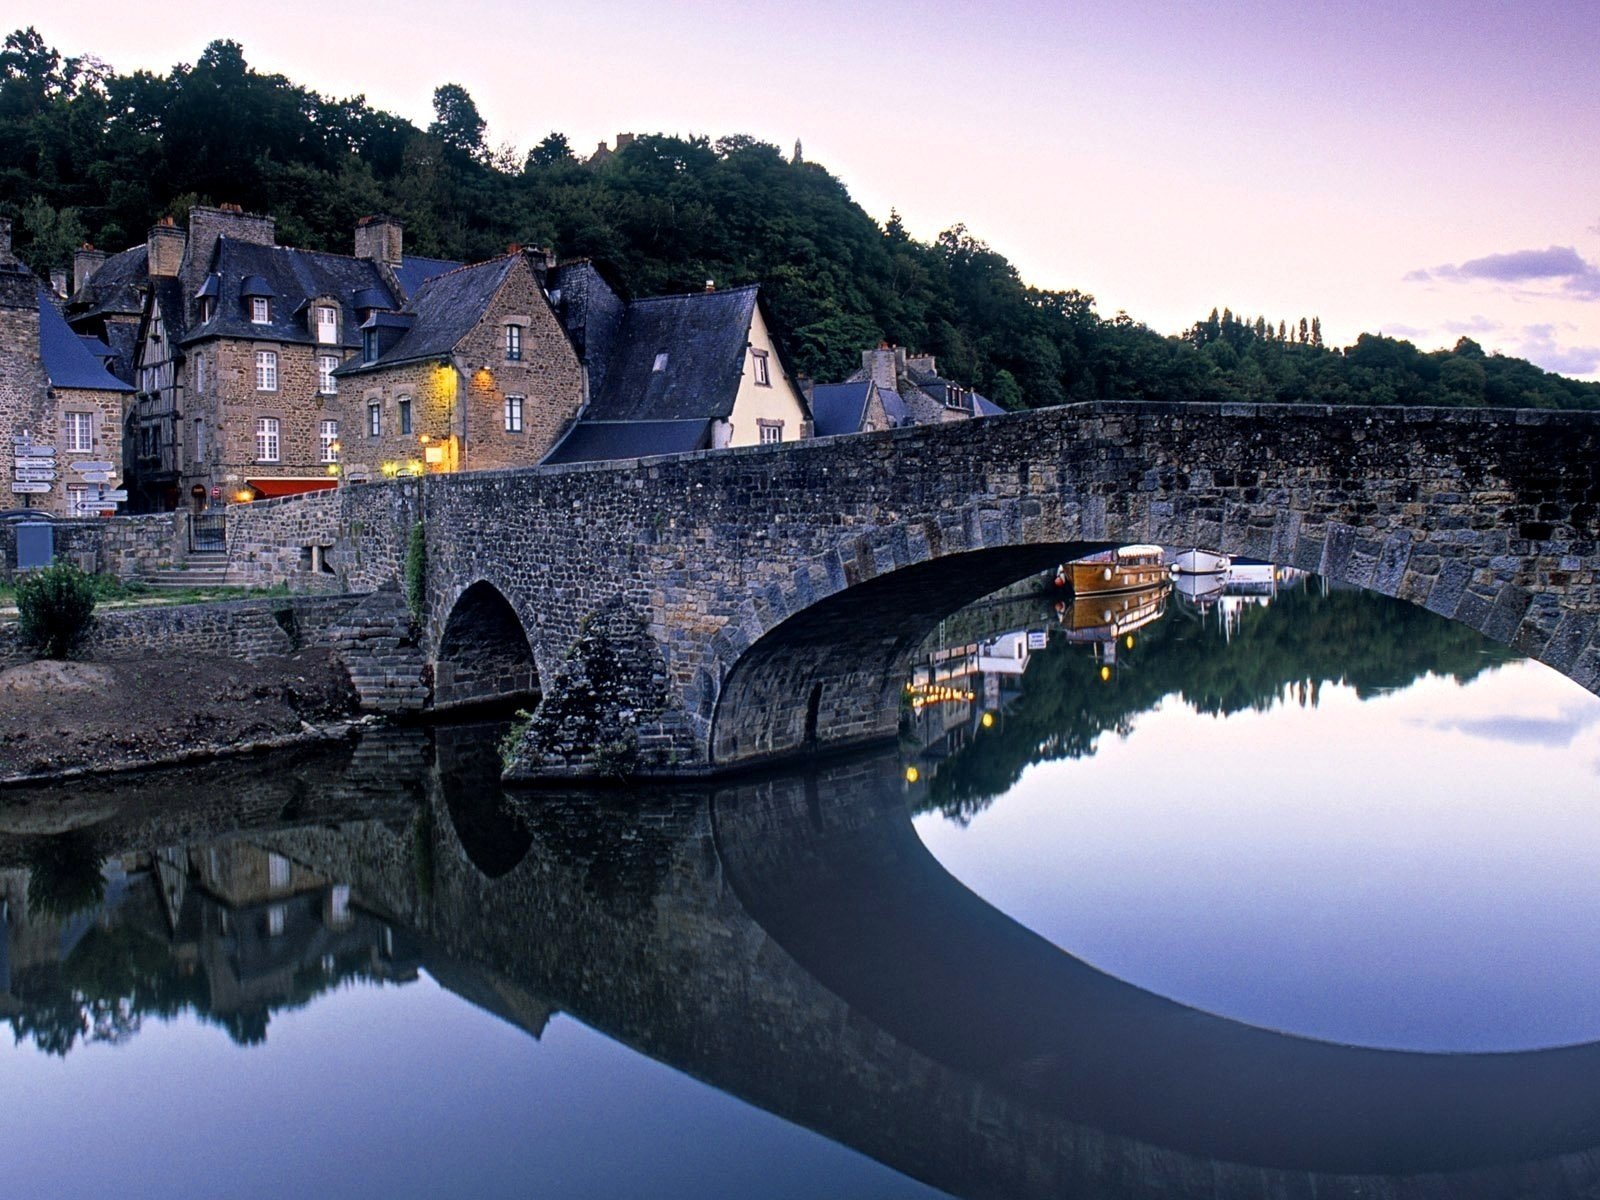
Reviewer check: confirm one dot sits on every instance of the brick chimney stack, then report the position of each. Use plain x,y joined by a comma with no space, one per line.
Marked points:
164,249
86,260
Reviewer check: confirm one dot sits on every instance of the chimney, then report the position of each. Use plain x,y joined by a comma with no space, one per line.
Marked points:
882,366
206,225
623,141
58,281
164,249
86,260
924,362
807,387
381,239
711,285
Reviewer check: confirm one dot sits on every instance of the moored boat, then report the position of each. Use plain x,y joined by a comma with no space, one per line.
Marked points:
1121,570
1200,562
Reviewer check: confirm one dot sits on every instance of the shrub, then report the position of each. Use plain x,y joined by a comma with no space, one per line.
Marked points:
417,571
54,605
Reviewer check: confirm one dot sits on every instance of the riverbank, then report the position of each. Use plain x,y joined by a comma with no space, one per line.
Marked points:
60,720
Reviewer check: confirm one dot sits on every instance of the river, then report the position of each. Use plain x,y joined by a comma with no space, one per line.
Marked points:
1261,894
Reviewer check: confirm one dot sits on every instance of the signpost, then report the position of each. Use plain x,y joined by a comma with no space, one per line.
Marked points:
96,476
35,475
120,496
30,450
30,489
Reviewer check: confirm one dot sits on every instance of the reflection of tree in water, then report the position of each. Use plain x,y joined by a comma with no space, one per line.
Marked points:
64,875
1282,652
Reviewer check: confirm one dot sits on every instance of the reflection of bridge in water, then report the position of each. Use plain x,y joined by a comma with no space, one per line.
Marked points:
790,941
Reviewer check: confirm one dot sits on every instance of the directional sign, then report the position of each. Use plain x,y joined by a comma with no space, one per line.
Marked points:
93,465
32,489
117,497
97,476
27,450
24,475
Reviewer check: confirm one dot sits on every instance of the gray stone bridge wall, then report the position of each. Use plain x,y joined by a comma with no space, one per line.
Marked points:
1488,517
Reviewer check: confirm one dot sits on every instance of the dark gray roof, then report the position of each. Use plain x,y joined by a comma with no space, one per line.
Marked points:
116,288
839,407
893,405
596,441
414,272
985,407
68,363
255,285
445,310
703,336
294,278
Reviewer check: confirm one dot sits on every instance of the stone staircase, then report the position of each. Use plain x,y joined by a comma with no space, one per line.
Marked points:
205,569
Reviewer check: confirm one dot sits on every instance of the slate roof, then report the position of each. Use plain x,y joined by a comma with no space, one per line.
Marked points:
596,441
703,335
893,405
445,308
839,407
68,363
294,277
986,407
414,272
116,288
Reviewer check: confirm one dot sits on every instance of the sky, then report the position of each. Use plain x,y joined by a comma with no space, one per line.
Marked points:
1426,170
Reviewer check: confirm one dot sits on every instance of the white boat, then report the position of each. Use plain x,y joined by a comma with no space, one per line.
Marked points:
1200,562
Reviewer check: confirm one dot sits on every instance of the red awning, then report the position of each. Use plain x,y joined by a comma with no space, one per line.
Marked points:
290,487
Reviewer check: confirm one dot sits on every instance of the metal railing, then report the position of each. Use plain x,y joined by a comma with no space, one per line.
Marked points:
208,532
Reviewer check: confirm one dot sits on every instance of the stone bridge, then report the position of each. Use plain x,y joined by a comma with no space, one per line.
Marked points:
698,613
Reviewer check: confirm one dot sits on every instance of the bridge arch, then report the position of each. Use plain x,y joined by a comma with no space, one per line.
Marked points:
483,652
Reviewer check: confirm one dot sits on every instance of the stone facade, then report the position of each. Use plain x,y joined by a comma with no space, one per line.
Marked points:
757,572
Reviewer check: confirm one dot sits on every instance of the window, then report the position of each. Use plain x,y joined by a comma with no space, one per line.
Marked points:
771,431
758,364
77,500
208,308
513,343
326,383
80,431
266,439
327,324
404,407
327,439
277,917
513,414
374,419
266,370
199,441
661,362
277,872
369,345
199,373
260,310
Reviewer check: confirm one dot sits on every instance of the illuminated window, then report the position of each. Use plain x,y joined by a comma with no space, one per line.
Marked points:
80,431
404,408
327,324
771,431
260,310
266,439
513,414
374,419
758,364
326,383
266,370
327,438
513,343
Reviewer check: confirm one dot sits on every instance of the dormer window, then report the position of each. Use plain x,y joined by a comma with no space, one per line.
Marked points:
369,345
208,308
327,324
260,310
661,362
513,343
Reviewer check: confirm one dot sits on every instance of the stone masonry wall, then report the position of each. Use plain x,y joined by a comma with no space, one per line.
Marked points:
127,547
362,529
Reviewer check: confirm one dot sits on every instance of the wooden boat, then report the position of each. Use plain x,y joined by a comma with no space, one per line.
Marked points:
1101,618
1121,570
1200,562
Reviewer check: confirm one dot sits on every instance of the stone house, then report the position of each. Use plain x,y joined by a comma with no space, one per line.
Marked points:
858,407
913,384
672,374
60,408
477,372
234,350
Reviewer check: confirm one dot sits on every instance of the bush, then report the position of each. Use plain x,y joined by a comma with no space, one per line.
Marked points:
54,605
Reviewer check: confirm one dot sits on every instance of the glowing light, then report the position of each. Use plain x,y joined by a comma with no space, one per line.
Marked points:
1129,642
413,466
912,774
333,468
390,469
988,720
1105,674
243,495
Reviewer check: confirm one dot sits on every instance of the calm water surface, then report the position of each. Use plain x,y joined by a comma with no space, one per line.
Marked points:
1259,835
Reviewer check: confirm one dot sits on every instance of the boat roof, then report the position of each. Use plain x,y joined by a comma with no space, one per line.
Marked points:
1140,549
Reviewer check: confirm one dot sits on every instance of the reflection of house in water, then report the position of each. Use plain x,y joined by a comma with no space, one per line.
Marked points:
231,930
